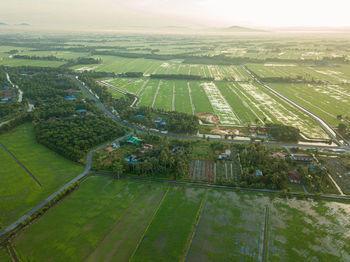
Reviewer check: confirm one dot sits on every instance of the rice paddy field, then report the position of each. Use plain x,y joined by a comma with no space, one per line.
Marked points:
335,74
4,257
26,62
325,100
234,103
121,220
19,192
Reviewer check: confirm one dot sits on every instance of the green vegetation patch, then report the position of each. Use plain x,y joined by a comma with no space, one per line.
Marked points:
19,192
97,222
167,236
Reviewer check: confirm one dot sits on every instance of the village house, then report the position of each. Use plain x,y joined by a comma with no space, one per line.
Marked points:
258,172
278,155
226,155
294,177
302,158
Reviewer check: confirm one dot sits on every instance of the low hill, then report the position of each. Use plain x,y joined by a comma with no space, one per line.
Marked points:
3,23
241,29
23,24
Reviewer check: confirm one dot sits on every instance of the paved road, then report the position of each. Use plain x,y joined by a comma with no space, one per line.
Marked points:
52,196
107,112
322,123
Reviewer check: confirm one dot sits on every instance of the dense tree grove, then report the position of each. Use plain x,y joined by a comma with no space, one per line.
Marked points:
159,162
72,137
256,157
69,127
283,133
11,108
44,58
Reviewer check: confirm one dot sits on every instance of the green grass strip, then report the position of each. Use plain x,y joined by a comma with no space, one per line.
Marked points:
144,233
266,236
194,228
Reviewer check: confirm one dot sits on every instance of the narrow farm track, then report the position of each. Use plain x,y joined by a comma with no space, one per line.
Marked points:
190,94
149,224
264,257
173,100
156,93
142,87
195,226
112,87
12,252
21,165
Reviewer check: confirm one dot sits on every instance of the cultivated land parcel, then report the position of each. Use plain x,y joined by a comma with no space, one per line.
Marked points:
106,219
19,192
114,220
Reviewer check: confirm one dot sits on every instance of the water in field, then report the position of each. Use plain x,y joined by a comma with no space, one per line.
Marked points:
113,220
232,229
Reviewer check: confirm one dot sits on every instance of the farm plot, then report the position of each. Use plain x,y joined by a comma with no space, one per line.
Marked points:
27,62
231,228
202,170
148,93
234,73
269,107
200,101
328,74
326,101
130,85
214,171
164,96
121,65
221,107
239,106
182,98
169,231
119,220
102,221
18,191
4,256
324,228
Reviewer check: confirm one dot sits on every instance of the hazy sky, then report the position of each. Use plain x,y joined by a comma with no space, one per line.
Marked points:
105,13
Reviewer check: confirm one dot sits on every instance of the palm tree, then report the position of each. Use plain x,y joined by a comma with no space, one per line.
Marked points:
118,169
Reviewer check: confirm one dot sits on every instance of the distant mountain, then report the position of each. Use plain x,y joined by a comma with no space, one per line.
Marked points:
236,28
3,23
23,24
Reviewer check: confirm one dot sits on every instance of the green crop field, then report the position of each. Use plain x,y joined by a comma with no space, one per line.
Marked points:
27,62
120,65
148,93
200,100
182,98
164,96
114,220
267,107
58,54
168,232
4,256
328,74
326,101
18,191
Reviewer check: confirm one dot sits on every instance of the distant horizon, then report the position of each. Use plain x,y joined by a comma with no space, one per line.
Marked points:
195,13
